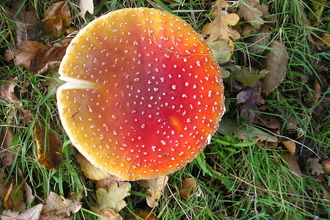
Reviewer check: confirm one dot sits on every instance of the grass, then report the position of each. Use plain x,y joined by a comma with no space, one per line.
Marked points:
235,180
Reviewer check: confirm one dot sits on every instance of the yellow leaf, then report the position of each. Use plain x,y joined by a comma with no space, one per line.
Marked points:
113,197
219,28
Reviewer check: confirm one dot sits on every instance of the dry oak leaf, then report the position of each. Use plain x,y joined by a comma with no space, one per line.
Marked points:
156,188
250,10
188,186
56,20
219,29
30,214
59,205
315,167
113,198
49,147
276,63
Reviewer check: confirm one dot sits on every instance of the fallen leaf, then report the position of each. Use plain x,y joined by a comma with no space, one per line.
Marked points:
60,206
113,197
219,29
56,20
109,214
6,155
7,94
13,196
30,214
255,135
324,42
49,147
293,163
268,121
221,51
3,185
290,146
315,167
276,63
156,187
245,75
250,10
86,6
23,53
47,58
187,188
315,14
25,19
91,171
259,40
250,98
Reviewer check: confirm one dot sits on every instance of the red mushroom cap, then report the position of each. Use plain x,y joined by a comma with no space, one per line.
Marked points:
143,93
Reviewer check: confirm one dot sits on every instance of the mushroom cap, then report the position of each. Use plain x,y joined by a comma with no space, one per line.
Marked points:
143,94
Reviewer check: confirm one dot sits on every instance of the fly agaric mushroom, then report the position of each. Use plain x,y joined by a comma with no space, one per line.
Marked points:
143,94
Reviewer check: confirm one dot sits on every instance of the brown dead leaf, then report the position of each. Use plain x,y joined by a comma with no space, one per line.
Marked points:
250,98
3,185
47,58
290,146
109,214
34,56
86,6
276,63
187,188
293,163
7,94
56,20
58,205
49,147
260,40
90,171
113,197
218,29
30,214
156,188
315,167
25,19
6,155
250,10
23,53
